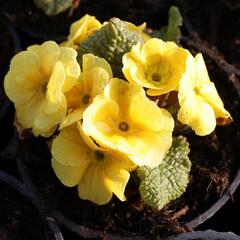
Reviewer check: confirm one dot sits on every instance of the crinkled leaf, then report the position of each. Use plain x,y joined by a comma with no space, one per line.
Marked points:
171,32
231,4
53,7
168,181
110,42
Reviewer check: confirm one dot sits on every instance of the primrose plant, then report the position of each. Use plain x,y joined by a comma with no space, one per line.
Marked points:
94,91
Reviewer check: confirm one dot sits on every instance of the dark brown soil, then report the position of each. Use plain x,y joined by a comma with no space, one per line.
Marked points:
214,158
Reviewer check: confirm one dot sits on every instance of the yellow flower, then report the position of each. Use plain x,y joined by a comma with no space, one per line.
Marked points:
96,73
156,65
81,30
124,119
199,101
36,83
97,173
140,29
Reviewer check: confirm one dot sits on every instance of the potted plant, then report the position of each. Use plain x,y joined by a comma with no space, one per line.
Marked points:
85,109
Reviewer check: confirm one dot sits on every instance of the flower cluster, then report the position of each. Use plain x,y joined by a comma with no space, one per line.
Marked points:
106,126
36,83
162,67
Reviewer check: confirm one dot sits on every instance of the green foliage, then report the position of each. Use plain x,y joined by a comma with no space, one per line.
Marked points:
168,181
171,32
231,4
110,42
53,7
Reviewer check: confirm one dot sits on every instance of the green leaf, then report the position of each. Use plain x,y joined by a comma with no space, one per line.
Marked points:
110,42
168,181
231,4
53,7
171,32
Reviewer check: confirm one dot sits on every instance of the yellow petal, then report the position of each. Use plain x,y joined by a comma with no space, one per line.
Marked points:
92,143
69,149
188,80
99,117
117,180
133,27
198,114
139,76
83,28
69,175
122,92
132,144
47,132
93,186
207,89
72,68
157,146
75,96
96,79
26,64
77,27
90,61
15,91
188,109
48,54
54,88
135,57
203,76
118,160
44,123
27,112
209,92
35,48
140,107
71,118
134,60
154,49
116,170
206,122
23,79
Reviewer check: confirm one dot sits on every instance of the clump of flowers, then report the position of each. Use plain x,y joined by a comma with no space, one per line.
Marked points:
36,83
104,122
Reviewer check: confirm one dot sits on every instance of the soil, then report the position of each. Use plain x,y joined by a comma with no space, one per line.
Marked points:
214,158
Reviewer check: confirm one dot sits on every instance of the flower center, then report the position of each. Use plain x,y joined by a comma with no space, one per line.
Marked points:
85,99
123,126
156,77
160,73
44,88
197,90
99,156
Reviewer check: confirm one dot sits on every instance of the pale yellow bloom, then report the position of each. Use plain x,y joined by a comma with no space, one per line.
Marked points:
96,73
200,104
124,119
81,30
36,83
97,173
156,65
